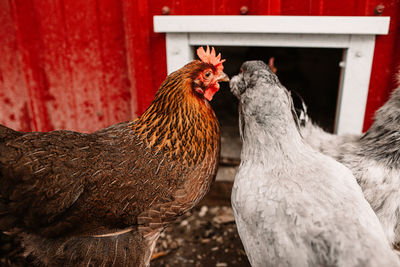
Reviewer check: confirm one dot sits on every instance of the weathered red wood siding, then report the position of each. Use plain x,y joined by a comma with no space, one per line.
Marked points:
83,65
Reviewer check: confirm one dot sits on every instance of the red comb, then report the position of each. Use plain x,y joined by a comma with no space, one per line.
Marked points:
209,57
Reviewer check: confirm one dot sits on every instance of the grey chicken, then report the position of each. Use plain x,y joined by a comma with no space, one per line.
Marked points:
293,205
374,159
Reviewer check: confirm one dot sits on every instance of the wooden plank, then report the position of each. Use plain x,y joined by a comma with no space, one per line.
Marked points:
386,63
157,41
296,8
340,8
14,98
272,24
179,51
266,7
138,49
355,82
29,46
94,71
232,7
317,7
265,39
115,94
56,56
81,24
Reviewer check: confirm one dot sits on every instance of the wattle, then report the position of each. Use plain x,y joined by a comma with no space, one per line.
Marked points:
210,91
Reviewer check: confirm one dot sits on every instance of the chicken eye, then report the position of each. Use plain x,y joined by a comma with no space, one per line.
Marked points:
207,74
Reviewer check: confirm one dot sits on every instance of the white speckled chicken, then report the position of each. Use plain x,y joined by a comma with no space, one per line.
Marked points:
374,159
293,205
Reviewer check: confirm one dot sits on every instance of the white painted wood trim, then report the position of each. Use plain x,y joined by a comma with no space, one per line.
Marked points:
270,39
353,92
273,24
179,51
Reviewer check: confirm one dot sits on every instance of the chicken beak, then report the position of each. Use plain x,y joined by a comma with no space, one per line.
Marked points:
223,77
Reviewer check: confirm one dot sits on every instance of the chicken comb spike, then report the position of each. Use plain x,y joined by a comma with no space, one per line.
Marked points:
210,57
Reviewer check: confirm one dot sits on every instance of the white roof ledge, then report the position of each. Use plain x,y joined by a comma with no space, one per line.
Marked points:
272,24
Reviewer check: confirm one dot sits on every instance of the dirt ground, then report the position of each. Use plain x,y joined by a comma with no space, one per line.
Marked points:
207,236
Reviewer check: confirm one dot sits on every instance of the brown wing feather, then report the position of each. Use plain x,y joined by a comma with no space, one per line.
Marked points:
87,182
42,176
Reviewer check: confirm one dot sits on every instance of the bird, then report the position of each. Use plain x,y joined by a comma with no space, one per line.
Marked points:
293,205
102,199
374,159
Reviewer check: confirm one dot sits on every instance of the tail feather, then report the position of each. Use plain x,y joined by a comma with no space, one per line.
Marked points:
300,108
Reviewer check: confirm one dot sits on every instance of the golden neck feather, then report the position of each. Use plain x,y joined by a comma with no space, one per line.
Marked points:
178,122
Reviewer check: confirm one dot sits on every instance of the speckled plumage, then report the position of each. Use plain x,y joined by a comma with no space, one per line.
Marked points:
293,205
374,159
327,143
102,199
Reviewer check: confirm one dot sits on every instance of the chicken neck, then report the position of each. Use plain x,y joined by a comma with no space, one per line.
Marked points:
178,123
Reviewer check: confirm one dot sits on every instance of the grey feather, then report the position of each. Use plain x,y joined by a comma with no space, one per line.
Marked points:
293,205
374,159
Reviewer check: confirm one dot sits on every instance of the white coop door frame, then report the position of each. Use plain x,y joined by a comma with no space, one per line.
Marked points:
356,35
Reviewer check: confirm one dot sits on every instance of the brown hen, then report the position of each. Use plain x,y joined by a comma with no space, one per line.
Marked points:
102,199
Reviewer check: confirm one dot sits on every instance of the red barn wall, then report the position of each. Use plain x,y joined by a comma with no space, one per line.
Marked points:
83,65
